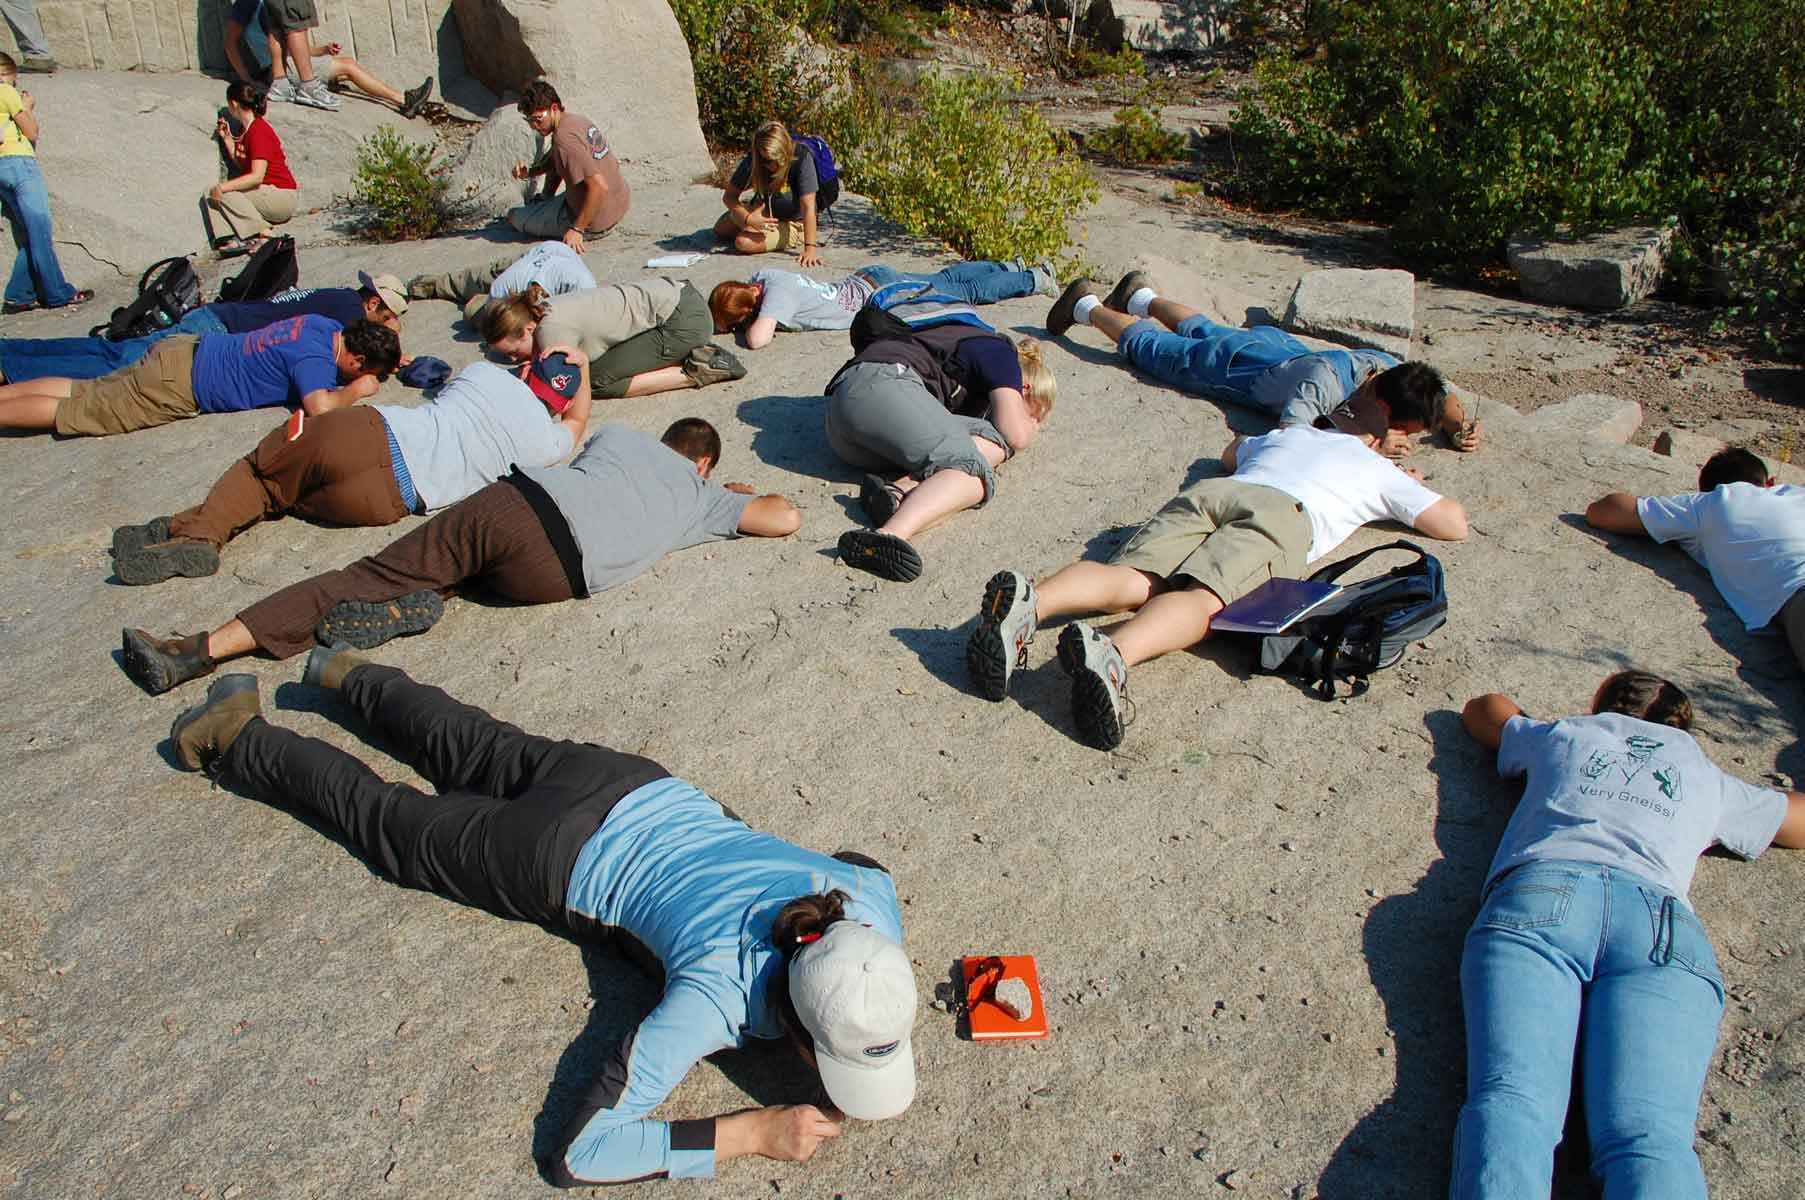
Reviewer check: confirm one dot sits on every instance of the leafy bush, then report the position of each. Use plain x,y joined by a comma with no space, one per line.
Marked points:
401,186
957,160
756,68
1136,136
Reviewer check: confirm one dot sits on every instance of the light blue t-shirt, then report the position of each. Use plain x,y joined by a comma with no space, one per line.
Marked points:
483,422
552,265
1620,792
1751,539
699,890
798,302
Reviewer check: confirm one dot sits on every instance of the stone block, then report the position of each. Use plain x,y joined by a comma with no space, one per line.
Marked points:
1612,269
1373,310
1589,415
1693,448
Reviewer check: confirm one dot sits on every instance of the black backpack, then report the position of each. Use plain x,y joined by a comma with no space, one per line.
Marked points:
167,291
1363,628
273,268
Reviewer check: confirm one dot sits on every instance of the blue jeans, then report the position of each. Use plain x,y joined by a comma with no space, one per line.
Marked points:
971,282
1571,958
1207,359
91,357
37,278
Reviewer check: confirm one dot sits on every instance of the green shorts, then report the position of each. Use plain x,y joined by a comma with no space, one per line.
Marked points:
1226,536
689,325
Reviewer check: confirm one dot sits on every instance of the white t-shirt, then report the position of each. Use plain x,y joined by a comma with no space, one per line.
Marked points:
481,424
1340,482
1751,539
552,265
1613,790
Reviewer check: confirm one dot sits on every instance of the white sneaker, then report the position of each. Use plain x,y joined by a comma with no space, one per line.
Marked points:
313,94
282,91
1099,683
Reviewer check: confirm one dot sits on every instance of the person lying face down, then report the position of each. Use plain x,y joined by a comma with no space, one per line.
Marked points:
1744,527
537,536
756,938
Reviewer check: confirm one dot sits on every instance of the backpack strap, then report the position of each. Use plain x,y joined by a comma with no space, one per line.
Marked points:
1336,570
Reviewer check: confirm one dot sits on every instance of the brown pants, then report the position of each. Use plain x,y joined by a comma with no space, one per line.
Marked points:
337,471
1791,618
492,538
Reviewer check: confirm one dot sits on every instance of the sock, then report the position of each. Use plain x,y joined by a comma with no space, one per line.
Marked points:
1137,303
1081,311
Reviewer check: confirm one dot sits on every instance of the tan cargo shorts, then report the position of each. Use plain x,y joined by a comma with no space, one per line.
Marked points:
1226,536
155,390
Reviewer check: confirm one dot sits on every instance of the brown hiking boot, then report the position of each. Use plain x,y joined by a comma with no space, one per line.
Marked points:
327,668
135,537
205,732
158,664
153,563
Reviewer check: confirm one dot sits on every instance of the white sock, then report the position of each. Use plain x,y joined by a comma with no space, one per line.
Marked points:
1137,303
1081,311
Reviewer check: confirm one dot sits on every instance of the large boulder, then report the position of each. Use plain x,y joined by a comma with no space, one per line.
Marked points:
1613,269
1155,26
600,68
1373,310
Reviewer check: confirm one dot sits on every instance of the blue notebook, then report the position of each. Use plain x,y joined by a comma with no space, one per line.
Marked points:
1274,606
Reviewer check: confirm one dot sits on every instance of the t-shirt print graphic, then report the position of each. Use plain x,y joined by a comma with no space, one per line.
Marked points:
598,145
1638,756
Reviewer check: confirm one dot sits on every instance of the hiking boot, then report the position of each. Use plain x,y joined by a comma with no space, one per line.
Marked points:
205,732
136,537
328,666
314,94
1006,624
281,91
1099,683
879,499
158,664
883,554
414,99
187,557
1059,317
709,363
364,624
1126,287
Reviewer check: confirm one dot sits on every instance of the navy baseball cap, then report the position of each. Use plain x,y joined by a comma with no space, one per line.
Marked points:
555,379
425,371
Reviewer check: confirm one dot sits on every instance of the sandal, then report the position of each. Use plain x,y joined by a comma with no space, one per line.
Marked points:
11,307
230,247
82,296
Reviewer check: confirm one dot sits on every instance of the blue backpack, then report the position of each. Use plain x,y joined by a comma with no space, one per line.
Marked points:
825,170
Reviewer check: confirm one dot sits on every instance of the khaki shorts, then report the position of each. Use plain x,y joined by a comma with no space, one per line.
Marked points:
284,16
155,390
1226,536
781,235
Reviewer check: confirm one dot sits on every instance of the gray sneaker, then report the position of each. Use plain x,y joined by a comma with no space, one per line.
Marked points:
1126,287
1045,282
1099,683
1006,624
709,363
1059,317
282,91
314,94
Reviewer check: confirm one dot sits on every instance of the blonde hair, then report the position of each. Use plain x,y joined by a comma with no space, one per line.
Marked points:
508,316
1037,377
771,144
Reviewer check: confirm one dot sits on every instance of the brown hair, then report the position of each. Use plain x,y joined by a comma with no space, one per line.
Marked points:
537,95
7,64
804,917
1645,696
695,439
1043,387
508,316
732,303
771,145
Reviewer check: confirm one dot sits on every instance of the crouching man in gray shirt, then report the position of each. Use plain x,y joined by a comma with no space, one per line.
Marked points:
535,537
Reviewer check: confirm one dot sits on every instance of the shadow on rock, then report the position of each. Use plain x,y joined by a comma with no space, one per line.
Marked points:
790,435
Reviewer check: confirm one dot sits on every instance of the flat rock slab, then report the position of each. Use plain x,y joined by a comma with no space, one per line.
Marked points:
1604,270
1589,415
1369,309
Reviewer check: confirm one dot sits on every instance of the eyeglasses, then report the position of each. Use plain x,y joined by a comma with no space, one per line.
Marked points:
537,115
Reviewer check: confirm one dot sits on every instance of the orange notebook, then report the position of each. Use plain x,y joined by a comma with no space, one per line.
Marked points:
982,973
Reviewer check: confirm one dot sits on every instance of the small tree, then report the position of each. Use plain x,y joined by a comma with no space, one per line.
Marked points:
401,186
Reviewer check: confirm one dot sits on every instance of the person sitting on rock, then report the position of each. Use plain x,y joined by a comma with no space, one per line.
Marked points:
555,267
595,196
787,198
640,338
373,464
537,536
757,939
1263,367
1742,526
1292,496
775,299
1586,949
311,363
263,193
339,70
380,299
943,408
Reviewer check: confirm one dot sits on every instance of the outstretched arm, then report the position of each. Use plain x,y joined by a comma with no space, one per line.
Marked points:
1484,717
326,399
1445,520
770,515
1616,513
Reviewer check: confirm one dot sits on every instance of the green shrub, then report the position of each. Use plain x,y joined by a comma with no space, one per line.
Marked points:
401,186
956,159
1136,136
755,69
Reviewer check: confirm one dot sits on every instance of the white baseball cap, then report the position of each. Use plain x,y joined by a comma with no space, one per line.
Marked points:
854,990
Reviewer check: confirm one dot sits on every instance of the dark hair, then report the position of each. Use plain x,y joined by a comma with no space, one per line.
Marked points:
1413,391
8,64
1734,465
537,95
1646,697
376,344
253,96
694,439
796,920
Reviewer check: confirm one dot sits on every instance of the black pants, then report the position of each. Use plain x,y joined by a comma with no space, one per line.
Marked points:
511,816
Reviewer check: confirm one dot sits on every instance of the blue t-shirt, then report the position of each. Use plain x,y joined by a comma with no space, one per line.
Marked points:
344,305
277,364
993,363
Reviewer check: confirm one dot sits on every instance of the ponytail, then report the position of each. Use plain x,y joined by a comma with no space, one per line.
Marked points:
804,919
508,316
1043,387
253,96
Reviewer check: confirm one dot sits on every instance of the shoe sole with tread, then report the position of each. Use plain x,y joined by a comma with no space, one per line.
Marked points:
1093,709
882,554
364,624
986,657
